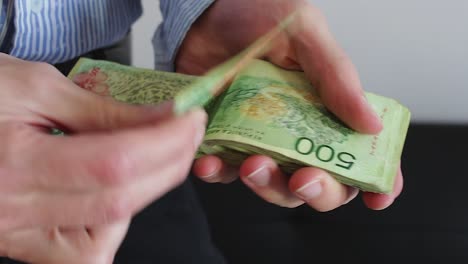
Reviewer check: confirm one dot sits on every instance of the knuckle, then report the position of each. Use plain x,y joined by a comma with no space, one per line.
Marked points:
112,169
106,114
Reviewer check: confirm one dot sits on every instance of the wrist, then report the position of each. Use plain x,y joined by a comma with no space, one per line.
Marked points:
178,18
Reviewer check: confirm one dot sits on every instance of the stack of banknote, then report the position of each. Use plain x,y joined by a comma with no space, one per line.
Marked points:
271,111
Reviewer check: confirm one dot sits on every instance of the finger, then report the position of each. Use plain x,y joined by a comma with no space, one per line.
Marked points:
336,78
282,54
377,201
212,169
319,189
77,110
97,160
55,100
264,177
95,208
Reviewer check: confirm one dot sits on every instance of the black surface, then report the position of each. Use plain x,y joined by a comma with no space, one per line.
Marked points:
428,223
172,230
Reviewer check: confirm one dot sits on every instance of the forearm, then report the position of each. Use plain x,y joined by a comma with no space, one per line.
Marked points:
178,16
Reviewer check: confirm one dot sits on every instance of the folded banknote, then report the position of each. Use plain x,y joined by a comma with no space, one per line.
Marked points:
271,111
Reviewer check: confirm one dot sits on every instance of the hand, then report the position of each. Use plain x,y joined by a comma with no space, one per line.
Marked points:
94,245
229,26
70,199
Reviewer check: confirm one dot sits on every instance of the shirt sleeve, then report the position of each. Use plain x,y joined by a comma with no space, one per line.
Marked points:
178,16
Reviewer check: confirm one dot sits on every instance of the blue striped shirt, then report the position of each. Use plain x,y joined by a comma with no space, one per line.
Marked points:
55,31
178,16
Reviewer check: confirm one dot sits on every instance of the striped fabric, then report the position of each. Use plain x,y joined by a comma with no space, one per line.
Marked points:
178,16
55,31
58,30
3,19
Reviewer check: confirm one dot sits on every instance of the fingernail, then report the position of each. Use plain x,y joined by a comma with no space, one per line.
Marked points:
260,177
209,176
310,191
200,126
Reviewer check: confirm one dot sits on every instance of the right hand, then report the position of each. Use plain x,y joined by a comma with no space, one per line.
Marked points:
69,199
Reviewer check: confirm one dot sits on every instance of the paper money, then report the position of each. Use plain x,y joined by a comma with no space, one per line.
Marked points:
215,81
271,111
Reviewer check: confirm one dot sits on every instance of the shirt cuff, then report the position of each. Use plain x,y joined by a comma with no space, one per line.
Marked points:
178,17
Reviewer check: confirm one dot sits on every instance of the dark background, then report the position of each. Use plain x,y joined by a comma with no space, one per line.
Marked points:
428,223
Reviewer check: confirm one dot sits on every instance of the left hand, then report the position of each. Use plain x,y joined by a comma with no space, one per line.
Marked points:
229,26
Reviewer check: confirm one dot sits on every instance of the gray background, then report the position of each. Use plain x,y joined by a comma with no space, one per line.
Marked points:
415,51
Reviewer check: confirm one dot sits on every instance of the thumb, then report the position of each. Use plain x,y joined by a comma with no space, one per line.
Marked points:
333,73
76,110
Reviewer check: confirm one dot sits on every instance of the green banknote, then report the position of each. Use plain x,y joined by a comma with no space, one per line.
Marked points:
211,84
271,111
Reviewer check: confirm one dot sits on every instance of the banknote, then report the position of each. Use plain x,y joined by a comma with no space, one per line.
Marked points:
216,80
271,111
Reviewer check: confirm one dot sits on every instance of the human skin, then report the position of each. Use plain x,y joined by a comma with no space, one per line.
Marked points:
229,26
70,199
